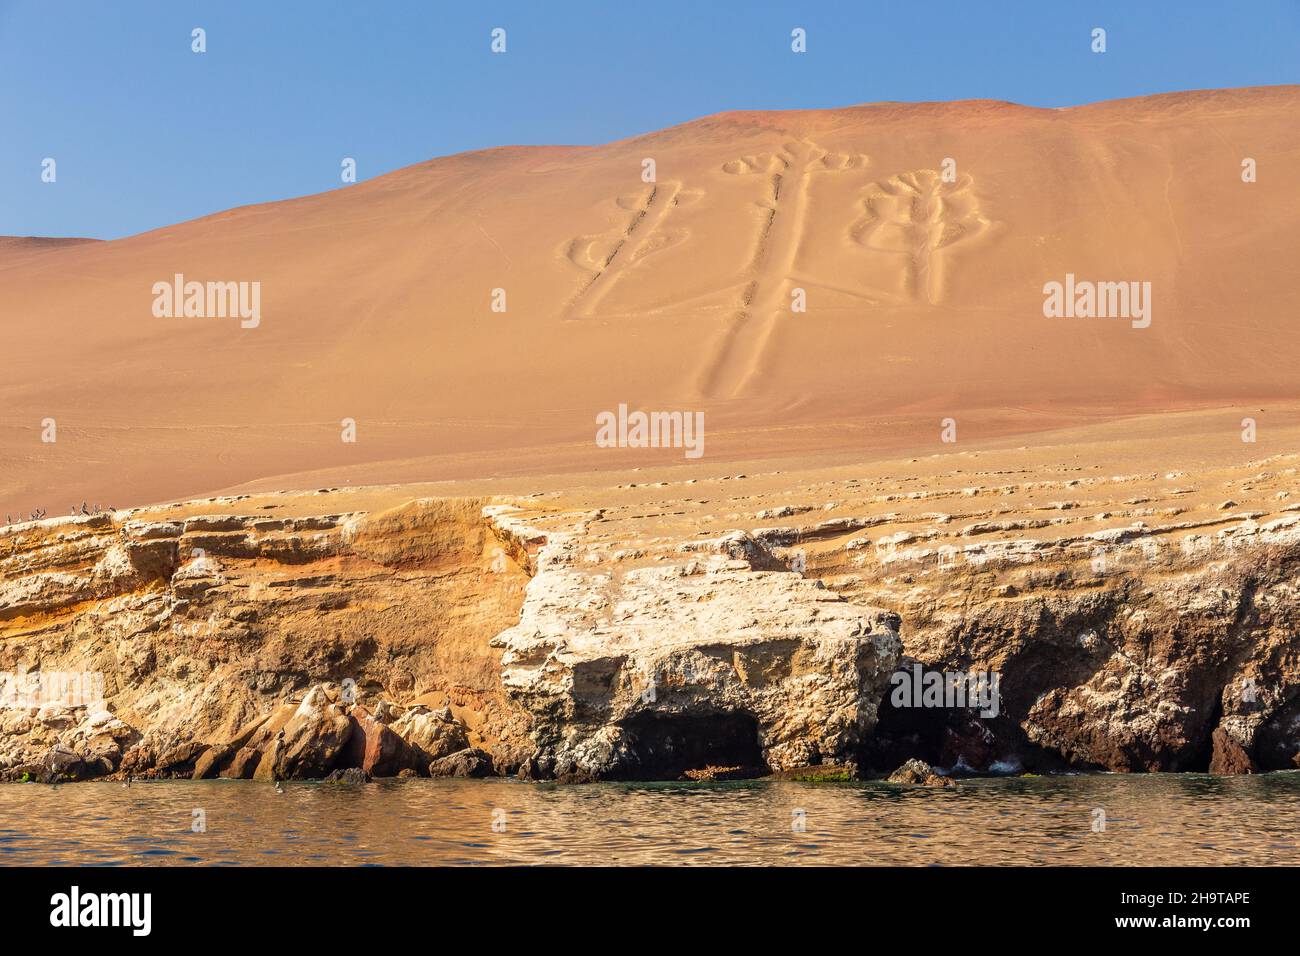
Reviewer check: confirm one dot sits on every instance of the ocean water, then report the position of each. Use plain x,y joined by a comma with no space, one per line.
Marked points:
1108,819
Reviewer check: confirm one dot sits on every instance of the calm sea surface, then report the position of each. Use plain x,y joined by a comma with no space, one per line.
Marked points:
1155,819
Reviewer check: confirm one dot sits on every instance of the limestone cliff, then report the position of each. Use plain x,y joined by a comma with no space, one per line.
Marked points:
660,635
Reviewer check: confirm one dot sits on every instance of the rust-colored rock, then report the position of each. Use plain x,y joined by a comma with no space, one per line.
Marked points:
376,749
1229,756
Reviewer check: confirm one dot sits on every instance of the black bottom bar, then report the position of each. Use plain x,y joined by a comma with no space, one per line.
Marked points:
297,905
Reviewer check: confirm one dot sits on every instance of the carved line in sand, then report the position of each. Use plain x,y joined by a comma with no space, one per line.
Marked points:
610,256
919,219
741,351
914,217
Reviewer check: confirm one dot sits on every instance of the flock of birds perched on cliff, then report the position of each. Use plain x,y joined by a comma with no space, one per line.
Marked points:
39,513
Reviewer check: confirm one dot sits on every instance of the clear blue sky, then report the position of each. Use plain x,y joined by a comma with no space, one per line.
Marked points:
147,133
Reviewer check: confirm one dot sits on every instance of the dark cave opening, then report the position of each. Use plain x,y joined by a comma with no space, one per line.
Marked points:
1203,750
955,739
665,746
900,734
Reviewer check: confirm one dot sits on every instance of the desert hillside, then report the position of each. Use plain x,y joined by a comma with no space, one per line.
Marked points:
923,283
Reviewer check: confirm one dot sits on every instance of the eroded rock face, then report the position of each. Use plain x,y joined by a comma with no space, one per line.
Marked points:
1133,625
692,661
222,641
466,637
1153,671
1167,644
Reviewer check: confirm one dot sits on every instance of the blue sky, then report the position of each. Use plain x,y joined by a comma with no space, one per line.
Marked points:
147,133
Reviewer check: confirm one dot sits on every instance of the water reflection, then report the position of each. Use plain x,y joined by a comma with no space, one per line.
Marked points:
1157,819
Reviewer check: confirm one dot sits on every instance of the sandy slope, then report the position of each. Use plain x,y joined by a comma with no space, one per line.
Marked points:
924,301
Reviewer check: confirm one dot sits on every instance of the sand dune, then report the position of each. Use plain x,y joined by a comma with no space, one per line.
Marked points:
14,248
923,281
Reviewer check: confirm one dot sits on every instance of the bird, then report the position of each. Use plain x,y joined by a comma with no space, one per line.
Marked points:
278,788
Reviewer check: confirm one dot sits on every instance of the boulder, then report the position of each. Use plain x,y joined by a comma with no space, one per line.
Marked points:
919,773
376,748
245,733
313,738
350,775
104,751
180,755
56,715
1229,757
470,762
137,760
15,720
431,734
61,764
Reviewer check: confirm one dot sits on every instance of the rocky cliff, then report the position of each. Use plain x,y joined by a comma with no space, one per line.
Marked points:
1132,624
247,642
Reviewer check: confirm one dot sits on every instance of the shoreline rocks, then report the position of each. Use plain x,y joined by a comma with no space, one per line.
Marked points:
470,762
921,774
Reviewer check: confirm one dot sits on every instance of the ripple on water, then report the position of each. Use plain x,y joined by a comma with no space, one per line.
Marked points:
1150,820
